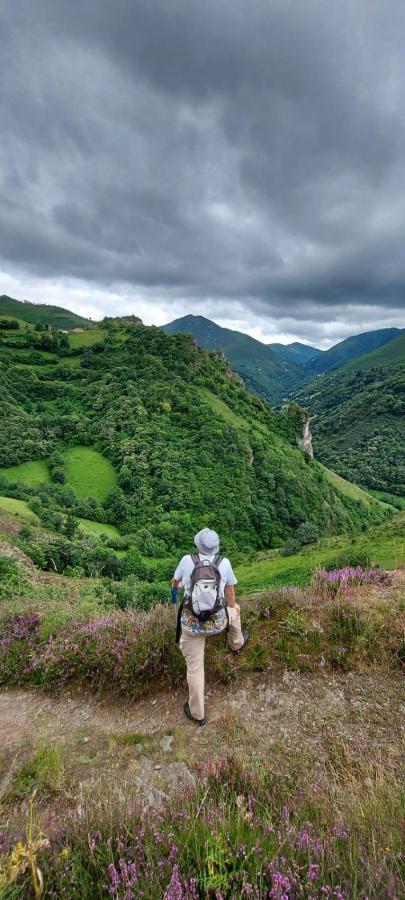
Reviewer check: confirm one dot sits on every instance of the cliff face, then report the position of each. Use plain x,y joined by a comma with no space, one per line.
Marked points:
304,440
298,426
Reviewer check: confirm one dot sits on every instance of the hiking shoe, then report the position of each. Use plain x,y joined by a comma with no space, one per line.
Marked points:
186,710
246,637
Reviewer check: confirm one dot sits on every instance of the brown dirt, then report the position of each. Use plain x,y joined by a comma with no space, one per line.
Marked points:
351,719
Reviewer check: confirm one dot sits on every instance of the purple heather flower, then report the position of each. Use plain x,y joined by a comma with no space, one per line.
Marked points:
313,872
340,831
174,890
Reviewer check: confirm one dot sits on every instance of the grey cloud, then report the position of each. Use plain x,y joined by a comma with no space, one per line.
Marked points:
238,155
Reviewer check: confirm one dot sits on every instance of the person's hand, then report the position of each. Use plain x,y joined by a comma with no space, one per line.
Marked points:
237,607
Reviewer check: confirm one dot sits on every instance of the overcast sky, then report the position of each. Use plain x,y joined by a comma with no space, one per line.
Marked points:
239,159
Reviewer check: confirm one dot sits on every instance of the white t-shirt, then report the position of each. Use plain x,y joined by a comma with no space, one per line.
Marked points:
186,566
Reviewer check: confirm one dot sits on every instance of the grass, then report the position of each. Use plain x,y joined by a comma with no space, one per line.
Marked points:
28,473
86,338
347,488
97,528
18,508
385,497
72,362
332,624
390,353
232,418
22,325
383,545
222,409
89,473
245,830
43,772
25,353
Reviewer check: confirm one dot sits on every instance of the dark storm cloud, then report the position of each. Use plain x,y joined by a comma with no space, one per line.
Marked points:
220,153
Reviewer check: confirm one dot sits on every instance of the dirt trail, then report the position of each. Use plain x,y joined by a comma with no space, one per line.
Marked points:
286,710
140,752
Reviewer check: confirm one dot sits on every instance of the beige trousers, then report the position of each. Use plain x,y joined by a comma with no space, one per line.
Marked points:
192,647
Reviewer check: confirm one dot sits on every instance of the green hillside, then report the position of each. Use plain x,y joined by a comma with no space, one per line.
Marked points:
350,349
296,352
358,426
263,371
389,354
18,508
41,312
158,438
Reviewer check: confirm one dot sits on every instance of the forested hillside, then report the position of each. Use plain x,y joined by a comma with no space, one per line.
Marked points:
267,373
179,441
359,426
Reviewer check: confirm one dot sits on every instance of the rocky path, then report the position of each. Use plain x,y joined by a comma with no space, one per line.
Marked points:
355,715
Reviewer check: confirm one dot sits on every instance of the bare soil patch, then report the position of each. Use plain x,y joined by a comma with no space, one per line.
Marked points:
143,750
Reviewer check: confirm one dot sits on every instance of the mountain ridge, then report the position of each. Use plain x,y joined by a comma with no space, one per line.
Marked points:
57,316
351,348
296,351
260,367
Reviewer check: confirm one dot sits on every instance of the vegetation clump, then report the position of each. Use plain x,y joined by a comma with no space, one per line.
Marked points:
124,651
244,830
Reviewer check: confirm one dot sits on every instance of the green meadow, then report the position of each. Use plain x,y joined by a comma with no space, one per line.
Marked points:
28,473
86,338
89,473
97,528
18,508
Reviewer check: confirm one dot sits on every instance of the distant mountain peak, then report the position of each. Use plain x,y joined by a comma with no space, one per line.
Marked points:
264,371
345,351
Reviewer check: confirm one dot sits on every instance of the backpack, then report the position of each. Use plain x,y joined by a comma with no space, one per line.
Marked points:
204,599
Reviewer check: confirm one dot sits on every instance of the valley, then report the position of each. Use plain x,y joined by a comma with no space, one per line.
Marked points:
115,446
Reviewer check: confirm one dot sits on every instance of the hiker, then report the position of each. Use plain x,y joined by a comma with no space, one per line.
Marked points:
208,607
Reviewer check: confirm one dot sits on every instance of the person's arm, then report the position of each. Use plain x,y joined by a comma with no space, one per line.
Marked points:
176,580
229,591
230,597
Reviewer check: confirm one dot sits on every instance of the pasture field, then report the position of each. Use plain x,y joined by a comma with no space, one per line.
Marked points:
97,528
72,361
89,473
86,338
18,508
21,354
28,473
23,326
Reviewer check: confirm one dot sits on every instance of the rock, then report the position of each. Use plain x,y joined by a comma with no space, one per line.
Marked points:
166,743
145,764
178,775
